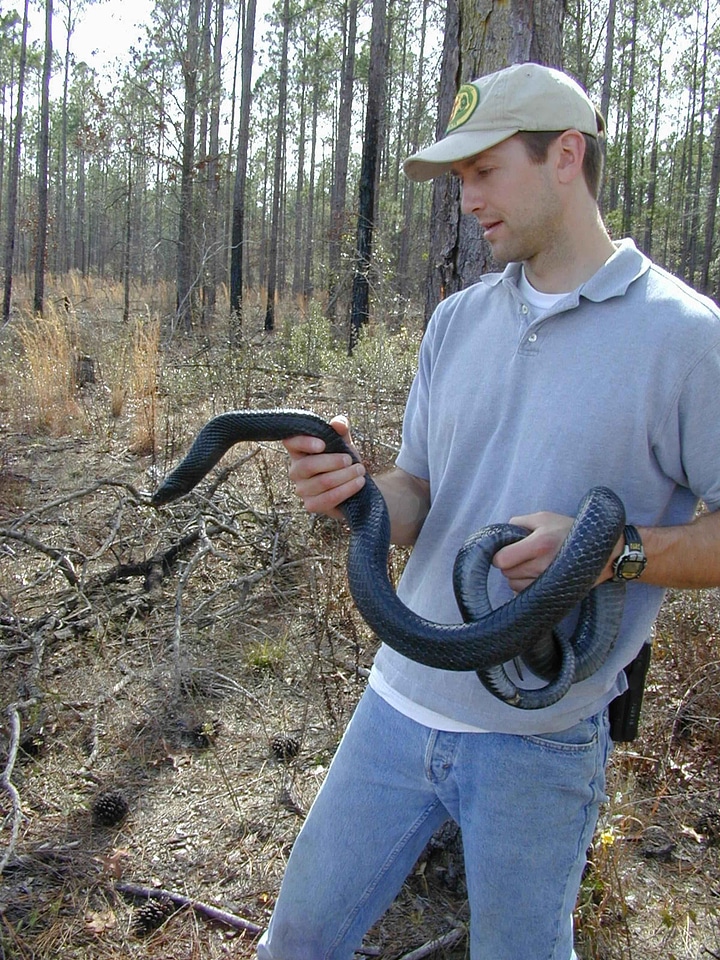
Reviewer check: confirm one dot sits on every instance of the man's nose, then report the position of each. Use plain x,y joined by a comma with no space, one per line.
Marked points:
471,199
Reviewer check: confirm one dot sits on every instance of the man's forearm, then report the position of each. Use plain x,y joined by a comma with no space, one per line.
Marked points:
408,501
683,557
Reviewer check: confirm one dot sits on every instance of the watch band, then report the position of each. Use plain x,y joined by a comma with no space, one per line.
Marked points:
632,538
632,560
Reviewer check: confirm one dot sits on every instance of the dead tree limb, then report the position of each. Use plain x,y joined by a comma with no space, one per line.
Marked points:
432,946
156,565
78,495
204,547
6,784
59,556
206,909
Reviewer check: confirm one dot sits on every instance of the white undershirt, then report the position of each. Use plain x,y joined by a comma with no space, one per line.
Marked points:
537,302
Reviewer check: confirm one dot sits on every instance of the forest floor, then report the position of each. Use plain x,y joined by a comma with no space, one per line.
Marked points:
158,654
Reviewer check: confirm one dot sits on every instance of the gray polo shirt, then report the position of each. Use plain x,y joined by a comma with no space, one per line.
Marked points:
618,384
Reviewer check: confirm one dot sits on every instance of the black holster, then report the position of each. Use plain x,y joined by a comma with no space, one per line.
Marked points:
624,711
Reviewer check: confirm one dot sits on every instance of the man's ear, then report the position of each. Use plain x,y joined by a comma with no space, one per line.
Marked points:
570,152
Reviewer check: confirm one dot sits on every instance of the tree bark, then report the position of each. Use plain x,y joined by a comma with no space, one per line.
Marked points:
238,211
481,36
712,201
215,244
128,235
342,154
43,157
186,279
14,175
360,309
277,172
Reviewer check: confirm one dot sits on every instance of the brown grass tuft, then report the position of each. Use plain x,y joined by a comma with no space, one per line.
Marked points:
145,361
49,383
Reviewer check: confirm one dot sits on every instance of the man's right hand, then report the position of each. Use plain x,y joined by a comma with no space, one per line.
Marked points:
324,480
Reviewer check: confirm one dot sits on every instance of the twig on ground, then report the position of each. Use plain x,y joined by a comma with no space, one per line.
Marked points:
432,946
100,703
223,474
204,547
60,557
206,909
78,495
6,784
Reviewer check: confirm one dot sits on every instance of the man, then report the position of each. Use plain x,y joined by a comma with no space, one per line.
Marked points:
582,363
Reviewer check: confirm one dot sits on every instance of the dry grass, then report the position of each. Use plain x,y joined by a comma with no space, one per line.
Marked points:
145,387
159,653
50,356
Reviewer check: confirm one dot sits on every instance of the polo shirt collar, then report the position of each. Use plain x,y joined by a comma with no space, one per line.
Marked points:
625,266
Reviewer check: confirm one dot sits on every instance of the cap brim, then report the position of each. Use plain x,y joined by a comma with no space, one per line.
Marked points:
437,159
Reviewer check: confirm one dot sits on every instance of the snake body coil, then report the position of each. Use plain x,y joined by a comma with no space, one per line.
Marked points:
489,637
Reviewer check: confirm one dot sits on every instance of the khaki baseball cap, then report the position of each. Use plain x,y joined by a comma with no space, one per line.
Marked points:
526,96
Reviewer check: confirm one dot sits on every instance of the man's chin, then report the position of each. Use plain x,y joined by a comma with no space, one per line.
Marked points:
499,255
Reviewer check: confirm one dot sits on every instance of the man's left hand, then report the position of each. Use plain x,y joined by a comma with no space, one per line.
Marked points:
524,561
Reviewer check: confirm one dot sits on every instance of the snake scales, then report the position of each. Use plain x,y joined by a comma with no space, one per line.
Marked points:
487,638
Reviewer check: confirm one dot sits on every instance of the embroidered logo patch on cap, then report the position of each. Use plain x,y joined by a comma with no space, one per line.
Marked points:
466,101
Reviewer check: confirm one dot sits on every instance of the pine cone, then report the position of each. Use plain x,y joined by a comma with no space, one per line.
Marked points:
151,915
284,747
709,826
110,808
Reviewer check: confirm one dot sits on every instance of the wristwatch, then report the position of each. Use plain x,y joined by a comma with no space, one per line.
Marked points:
632,561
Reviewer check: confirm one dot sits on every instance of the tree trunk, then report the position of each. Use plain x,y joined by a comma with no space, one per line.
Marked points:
63,245
302,96
43,156
238,211
413,145
128,235
607,79
692,253
277,172
442,277
654,151
360,309
342,154
712,201
216,246
628,187
186,280
480,37
14,175
307,281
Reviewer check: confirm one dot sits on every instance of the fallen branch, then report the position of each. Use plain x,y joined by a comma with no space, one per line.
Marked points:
204,547
432,946
78,495
60,557
6,784
154,566
213,913
223,474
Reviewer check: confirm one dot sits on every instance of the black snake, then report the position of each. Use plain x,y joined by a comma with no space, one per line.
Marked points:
488,638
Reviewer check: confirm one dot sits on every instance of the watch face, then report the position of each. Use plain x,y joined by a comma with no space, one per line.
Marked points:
630,567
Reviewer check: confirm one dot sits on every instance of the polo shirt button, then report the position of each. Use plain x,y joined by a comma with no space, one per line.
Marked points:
532,338
524,308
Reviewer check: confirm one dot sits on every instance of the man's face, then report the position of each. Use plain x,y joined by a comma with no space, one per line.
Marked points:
515,200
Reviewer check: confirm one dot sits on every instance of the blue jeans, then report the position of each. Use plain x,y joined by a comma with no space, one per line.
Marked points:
527,807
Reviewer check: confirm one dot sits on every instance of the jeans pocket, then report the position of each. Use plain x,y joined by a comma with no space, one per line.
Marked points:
580,738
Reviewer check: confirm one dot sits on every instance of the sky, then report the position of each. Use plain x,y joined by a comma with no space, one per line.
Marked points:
106,30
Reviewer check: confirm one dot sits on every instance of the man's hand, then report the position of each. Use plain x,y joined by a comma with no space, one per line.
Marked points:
523,562
324,480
